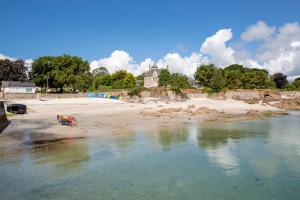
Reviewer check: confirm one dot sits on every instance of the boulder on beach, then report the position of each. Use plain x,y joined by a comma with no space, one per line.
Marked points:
205,110
288,104
170,110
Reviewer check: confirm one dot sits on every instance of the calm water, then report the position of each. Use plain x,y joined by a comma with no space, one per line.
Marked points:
257,159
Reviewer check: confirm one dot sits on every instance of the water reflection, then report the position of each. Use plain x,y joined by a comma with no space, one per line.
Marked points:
220,142
65,157
167,137
186,163
282,148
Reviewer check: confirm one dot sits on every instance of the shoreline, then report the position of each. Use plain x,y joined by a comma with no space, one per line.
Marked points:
106,114
110,118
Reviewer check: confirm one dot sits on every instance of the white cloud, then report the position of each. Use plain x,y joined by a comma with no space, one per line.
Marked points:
117,60
278,51
215,47
28,63
3,57
281,52
186,65
120,59
258,31
295,44
175,62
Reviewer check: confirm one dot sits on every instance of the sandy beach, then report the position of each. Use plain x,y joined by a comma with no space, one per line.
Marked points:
98,116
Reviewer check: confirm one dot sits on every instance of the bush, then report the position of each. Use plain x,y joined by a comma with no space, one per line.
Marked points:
104,88
136,91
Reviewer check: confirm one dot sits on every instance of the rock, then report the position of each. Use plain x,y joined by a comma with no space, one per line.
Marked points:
205,110
269,96
191,106
288,104
217,96
170,110
150,114
254,97
253,112
252,101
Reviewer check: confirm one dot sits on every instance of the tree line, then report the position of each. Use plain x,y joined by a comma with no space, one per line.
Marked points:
239,77
67,73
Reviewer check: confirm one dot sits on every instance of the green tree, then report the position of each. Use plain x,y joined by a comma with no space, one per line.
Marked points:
13,70
42,71
178,82
100,71
102,80
204,74
255,78
129,80
217,80
61,71
119,84
280,80
122,80
164,78
119,75
232,75
296,83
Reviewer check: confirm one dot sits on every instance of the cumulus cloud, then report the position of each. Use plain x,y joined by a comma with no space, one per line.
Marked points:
278,50
3,57
117,60
258,31
186,65
120,59
281,52
215,47
174,61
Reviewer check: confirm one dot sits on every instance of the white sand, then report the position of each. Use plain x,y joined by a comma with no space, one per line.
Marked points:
98,116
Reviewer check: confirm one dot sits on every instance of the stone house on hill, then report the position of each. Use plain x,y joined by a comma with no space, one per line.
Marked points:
151,77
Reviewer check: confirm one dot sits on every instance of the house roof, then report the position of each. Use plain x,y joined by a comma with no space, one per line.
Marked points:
150,72
17,84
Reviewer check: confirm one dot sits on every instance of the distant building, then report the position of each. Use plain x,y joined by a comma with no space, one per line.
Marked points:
192,82
17,87
151,77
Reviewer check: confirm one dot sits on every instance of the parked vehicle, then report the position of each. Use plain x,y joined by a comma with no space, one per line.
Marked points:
17,108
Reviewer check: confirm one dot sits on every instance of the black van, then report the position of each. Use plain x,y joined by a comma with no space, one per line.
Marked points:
17,108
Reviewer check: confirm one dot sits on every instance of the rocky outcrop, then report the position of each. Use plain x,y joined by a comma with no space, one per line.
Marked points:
3,119
288,104
170,110
217,96
254,97
205,110
269,96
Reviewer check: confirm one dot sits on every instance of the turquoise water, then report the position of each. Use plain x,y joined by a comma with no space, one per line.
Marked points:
258,159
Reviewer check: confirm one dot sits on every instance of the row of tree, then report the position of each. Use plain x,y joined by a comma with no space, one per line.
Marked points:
72,73
237,76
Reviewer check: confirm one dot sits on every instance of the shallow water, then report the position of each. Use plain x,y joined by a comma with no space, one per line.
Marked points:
257,159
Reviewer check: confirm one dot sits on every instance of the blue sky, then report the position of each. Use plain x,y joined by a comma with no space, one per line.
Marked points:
94,29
